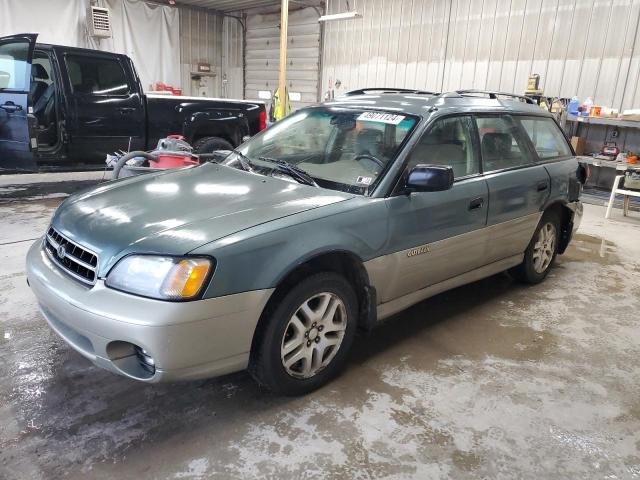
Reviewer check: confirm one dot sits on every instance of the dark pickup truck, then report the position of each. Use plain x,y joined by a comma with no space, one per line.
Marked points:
71,106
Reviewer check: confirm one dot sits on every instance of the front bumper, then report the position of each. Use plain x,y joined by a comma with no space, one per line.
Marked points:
187,340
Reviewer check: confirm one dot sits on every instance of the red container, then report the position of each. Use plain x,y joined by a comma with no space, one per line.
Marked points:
173,160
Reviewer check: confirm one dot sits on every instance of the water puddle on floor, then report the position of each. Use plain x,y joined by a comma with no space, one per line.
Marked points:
592,249
475,321
44,189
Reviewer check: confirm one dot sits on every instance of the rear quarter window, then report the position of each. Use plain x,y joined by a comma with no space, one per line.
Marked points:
546,137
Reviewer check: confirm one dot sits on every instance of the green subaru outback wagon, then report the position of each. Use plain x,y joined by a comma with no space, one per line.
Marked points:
329,221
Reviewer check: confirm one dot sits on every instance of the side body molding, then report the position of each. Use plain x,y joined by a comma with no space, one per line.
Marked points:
399,277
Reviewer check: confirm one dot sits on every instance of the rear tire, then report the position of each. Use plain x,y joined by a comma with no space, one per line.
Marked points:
210,145
541,253
307,337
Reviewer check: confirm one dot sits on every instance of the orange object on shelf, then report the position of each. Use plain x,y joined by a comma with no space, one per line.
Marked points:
595,111
632,159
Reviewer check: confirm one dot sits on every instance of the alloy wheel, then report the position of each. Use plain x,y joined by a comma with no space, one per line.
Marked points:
313,335
544,248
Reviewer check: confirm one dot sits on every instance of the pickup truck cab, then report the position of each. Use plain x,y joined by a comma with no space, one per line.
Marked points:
63,105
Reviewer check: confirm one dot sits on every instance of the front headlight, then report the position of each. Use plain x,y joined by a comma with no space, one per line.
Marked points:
165,278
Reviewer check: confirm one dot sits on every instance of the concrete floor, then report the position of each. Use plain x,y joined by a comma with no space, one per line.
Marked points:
492,380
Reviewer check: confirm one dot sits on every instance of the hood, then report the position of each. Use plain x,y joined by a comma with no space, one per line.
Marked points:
176,211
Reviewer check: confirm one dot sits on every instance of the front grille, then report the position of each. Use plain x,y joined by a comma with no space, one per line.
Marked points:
75,260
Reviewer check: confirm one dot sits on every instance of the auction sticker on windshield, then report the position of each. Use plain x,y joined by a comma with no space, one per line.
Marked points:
390,118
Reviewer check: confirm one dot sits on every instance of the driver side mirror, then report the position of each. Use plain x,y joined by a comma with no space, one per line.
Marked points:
429,178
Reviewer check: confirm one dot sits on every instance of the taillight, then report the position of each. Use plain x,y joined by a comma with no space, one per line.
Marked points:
262,119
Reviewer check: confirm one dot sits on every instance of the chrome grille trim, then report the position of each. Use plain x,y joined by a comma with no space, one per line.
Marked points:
78,262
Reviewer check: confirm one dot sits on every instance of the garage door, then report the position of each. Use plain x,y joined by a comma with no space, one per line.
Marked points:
263,54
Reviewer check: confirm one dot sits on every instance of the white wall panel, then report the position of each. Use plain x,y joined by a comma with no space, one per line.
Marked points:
396,42
583,47
303,54
200,42
232,61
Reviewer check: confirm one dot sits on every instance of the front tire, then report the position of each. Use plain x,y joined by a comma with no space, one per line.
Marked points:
307,337
541,253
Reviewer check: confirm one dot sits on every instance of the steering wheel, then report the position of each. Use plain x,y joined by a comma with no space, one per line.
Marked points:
366,156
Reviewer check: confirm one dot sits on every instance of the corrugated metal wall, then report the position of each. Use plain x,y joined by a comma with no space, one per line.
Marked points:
303,54
232,86
200,41
584,47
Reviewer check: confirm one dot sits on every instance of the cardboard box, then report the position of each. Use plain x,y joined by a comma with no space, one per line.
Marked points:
578,144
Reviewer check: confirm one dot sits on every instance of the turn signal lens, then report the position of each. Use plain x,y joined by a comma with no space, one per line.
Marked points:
186,278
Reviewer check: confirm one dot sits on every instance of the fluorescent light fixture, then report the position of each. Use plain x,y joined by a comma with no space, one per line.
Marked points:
339,16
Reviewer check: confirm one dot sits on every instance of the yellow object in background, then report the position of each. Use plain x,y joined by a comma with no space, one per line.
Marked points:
533,85
281,108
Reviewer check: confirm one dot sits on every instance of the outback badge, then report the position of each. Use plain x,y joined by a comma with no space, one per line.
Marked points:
418,251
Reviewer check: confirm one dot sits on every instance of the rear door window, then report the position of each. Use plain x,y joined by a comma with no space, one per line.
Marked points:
92,75
548,140
502,143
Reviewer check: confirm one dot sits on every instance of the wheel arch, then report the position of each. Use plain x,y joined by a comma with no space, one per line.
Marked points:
228,125
566,222
199,135
343,262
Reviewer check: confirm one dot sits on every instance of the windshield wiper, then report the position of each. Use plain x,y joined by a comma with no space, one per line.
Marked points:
294,172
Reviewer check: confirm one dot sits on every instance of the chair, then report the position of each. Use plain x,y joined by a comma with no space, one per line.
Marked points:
616,190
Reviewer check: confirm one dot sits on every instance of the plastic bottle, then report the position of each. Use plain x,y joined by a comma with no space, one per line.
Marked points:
586,107
572,109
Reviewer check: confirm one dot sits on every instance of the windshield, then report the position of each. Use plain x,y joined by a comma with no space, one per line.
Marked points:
341,149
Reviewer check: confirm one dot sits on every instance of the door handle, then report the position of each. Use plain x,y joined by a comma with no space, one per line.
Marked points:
542,186
126,110
476,203
11,107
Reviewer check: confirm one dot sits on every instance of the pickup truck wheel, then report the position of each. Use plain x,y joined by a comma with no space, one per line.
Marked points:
541,252
308,336
210,145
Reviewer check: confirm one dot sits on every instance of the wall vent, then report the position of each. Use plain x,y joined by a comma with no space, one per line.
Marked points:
99,22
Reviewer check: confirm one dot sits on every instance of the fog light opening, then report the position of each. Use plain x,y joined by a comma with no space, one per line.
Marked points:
145,359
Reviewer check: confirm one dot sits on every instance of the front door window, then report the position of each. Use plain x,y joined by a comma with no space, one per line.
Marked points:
448,142
15,66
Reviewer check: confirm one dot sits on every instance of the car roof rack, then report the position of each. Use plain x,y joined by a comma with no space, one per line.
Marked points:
363,91
491,94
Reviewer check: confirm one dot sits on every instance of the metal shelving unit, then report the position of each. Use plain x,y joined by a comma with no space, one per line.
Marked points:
613,122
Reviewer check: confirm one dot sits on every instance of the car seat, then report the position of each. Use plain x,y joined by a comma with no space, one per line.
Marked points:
38,85
441,154
369,142
496,150
45,111
441,147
